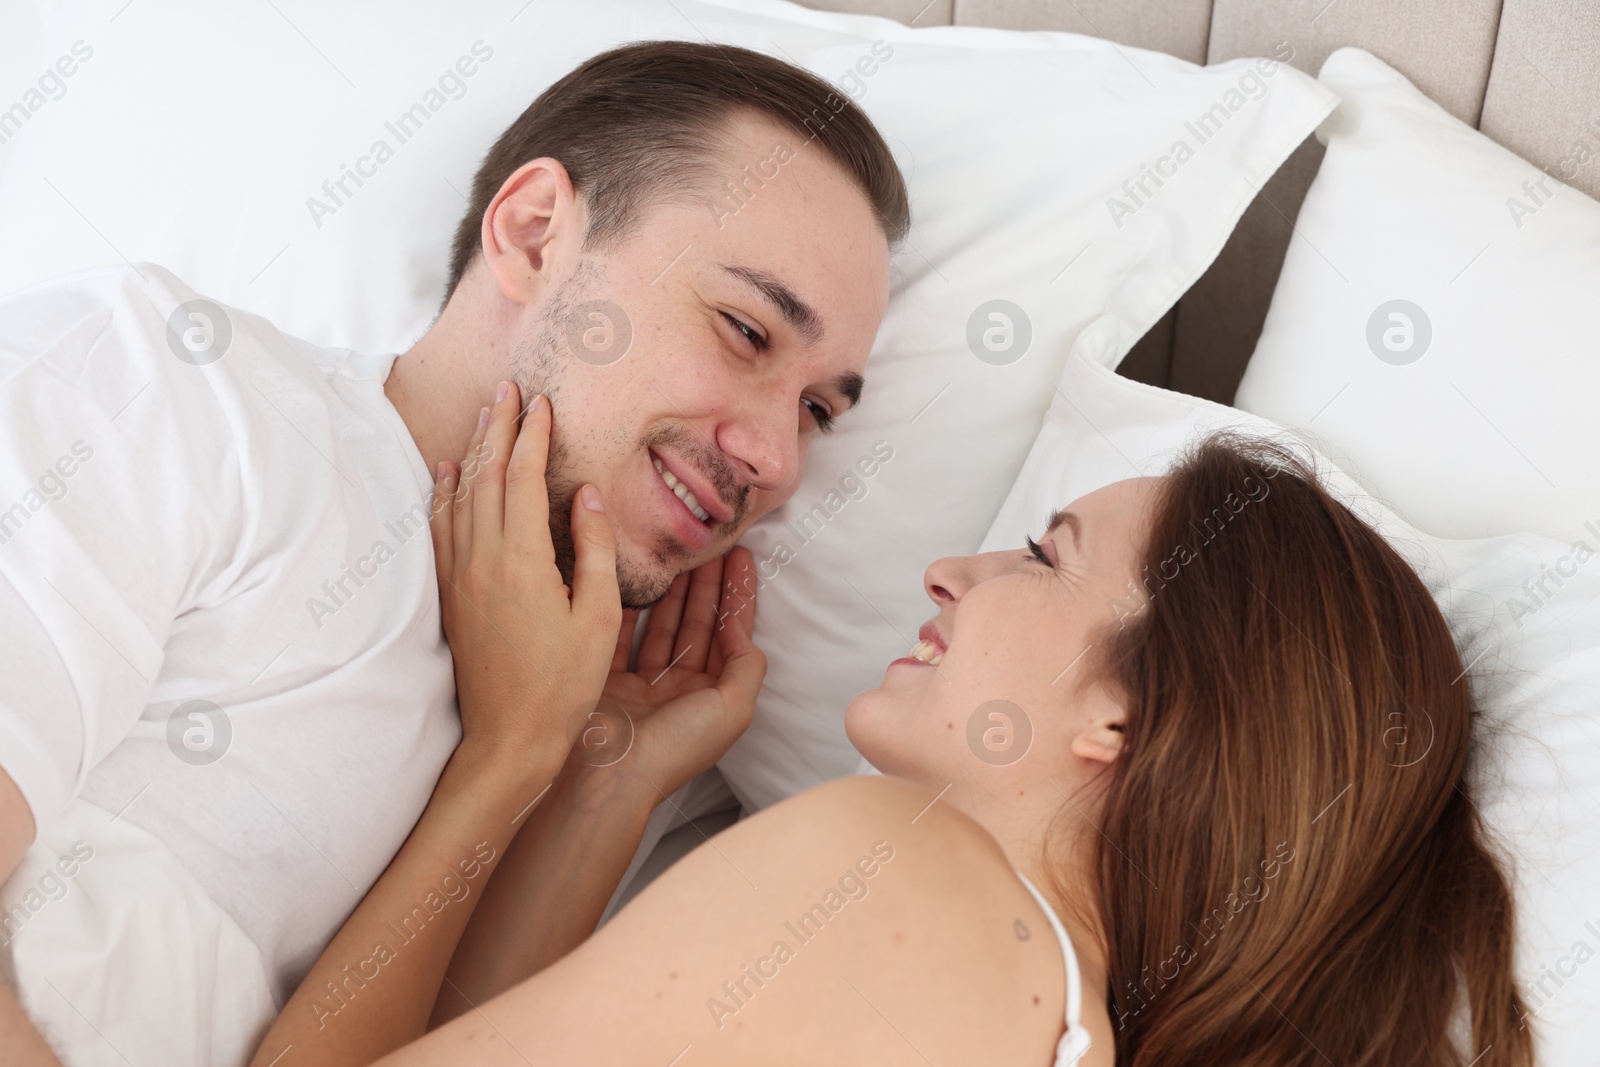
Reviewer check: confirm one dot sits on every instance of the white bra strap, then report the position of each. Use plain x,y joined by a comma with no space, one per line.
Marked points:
1075,1042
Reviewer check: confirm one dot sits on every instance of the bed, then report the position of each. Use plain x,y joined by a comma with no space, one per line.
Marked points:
1183,343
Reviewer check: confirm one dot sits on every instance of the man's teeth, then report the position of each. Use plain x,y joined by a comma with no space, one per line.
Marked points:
927,652
683,492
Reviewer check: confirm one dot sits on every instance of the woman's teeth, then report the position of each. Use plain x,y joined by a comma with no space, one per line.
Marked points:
927,652
683,492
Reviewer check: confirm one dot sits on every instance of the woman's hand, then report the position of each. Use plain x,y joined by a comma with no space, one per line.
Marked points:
691,693
531,656
556,877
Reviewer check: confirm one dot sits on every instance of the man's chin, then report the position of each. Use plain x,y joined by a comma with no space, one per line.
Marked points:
642,582
643,585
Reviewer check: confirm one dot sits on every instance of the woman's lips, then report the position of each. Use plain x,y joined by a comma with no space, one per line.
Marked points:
931,648
928,651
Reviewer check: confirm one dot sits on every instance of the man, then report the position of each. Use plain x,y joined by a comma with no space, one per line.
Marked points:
217,546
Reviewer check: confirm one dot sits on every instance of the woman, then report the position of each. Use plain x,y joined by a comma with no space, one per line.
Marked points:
1209,721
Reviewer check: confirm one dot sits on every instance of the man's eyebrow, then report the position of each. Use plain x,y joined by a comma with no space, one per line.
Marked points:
1064,516
800,316
850,385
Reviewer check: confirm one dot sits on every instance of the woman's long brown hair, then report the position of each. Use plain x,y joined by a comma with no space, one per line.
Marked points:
1291,869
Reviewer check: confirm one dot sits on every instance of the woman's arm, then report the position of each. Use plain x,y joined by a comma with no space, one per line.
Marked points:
524,690
372,987
547,894
687,699
21,1043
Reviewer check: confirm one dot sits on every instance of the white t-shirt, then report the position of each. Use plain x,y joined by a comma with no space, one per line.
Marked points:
182,532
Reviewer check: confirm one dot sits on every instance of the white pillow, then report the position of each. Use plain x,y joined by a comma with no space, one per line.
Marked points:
1536,673
21,70
196,136
1475,406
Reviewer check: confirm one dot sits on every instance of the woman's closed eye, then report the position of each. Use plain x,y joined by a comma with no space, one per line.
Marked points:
1036,553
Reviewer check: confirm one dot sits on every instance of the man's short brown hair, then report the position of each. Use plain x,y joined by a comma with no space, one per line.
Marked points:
640,123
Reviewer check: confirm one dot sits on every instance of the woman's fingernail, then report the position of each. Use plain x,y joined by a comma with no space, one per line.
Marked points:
538,402
483,418
442,472
500,391
591,498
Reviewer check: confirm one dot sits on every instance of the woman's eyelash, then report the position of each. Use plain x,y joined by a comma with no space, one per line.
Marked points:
1038,552
748,333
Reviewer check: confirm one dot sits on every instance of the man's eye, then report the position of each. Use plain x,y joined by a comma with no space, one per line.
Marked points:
821,414
748,333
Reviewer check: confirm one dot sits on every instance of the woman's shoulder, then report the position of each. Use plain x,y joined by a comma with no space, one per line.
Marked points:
957,932
861,922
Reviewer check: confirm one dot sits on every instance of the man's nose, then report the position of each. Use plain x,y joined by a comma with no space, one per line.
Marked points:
764,445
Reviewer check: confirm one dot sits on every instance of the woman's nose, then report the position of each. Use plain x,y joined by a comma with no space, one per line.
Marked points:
949,579
944,580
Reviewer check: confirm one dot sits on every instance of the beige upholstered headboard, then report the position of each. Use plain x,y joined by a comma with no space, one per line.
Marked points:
1525,72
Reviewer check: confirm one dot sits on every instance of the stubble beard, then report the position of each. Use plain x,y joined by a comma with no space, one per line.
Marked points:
536,368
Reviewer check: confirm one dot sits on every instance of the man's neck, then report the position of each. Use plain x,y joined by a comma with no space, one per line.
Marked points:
440,383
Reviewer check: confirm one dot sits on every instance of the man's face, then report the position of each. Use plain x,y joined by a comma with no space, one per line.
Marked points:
689,364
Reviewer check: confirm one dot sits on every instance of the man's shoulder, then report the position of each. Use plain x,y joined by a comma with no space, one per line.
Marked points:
134,358
93,291
141,321
145,299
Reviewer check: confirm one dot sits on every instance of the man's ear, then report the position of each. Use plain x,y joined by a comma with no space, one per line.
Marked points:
533,230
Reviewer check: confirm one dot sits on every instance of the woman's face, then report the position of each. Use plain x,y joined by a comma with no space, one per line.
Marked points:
986,704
